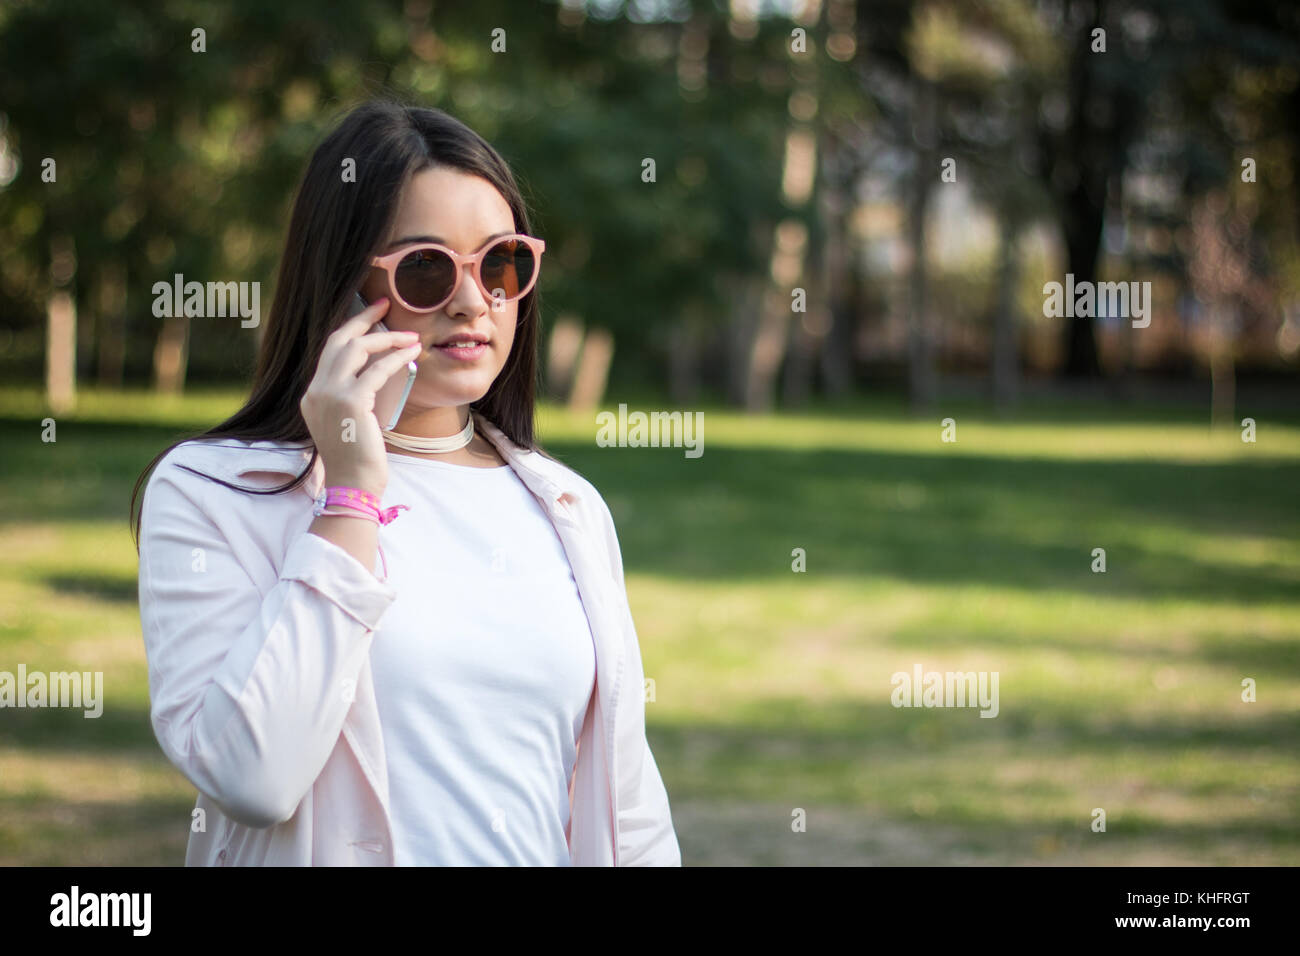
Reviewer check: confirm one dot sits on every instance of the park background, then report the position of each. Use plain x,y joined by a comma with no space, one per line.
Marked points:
854,208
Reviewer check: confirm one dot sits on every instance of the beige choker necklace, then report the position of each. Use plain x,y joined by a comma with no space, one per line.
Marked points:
435,446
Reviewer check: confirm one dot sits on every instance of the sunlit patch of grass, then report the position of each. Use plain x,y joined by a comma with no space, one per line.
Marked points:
92,809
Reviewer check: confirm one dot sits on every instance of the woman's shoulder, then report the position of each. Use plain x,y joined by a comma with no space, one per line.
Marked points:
204,476
235,454
196,460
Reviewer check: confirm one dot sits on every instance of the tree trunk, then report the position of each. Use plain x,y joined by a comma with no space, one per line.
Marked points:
797,384
111,325
790,238
767,351
1082,174
1082,221
1223,379
920,343
683,361
1006,372
562,355
741,324
169,355
593,370
61,326
837,344
61,352
809,330
787,271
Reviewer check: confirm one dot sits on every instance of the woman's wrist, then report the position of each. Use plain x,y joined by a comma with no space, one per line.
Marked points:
360,539
367,483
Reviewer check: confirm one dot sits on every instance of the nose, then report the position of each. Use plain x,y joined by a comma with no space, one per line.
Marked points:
468,298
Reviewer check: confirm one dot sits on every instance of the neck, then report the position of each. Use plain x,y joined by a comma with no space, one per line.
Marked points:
440,422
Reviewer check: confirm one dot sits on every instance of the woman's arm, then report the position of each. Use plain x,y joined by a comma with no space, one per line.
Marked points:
249,692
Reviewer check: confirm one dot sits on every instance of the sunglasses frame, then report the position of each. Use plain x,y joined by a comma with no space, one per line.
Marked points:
390,262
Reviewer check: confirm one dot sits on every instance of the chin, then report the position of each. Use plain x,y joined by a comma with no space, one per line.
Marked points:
461,394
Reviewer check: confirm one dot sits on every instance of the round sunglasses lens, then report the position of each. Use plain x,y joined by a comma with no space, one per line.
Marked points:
425,277
508,269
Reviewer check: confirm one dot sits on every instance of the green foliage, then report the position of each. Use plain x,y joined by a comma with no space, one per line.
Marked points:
172,161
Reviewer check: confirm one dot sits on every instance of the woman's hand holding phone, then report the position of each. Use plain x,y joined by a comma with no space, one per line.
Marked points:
344,387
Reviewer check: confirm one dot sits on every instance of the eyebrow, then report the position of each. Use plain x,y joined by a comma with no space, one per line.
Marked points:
442,242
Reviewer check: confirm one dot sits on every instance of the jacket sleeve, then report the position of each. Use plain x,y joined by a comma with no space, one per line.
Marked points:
248,691
645,826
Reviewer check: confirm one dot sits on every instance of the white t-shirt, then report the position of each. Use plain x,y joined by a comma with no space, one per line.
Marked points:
483,668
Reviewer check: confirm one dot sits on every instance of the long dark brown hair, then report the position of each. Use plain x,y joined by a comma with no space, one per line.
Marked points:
335,228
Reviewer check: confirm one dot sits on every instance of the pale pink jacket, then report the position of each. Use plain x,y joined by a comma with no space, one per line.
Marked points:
258,638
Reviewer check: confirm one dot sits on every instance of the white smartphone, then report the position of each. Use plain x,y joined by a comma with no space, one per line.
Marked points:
392,395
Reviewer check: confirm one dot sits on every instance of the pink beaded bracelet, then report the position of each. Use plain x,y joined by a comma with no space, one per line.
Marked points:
357,500
361,504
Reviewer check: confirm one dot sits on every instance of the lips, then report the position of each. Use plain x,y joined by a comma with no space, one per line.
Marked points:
464,348
462,338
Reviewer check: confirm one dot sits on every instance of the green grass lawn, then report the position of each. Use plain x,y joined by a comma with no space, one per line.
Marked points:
1120,691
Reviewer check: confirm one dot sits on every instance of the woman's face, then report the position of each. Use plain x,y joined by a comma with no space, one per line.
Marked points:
460,211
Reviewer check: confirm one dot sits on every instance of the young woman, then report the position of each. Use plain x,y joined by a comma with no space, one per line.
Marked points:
409,646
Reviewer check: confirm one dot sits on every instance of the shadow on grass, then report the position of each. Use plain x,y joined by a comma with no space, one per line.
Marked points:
118,729
928,519
840,729
846,729
105,587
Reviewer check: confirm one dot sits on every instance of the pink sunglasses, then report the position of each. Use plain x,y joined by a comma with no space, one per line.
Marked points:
424,277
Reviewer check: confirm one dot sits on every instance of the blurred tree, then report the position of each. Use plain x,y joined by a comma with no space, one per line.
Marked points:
176,129
171,159
903,99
